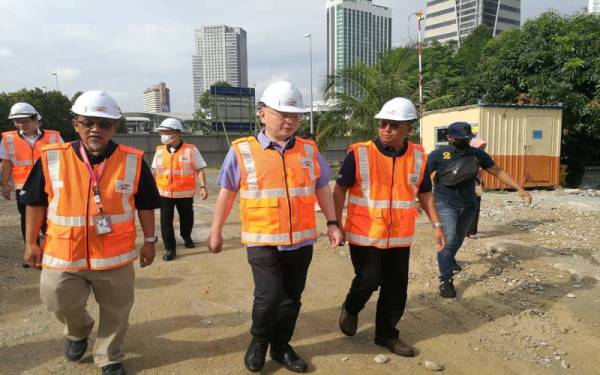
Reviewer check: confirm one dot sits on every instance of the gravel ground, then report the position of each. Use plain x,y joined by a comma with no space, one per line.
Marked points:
528,302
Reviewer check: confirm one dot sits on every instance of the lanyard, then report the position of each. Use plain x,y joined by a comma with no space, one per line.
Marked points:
95,178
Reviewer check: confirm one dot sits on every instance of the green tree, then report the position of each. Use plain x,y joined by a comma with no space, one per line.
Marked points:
54,107
551,59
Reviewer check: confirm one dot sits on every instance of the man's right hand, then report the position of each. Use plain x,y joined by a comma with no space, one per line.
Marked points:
215,242
6,192
33,255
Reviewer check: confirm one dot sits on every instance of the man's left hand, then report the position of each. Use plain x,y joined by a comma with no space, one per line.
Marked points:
147,254
203,194
525,196
440,239
336,237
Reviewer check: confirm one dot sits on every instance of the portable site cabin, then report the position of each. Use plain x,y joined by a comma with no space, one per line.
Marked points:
523,139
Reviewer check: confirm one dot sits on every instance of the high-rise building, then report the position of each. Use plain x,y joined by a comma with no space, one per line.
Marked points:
220,55
157,98
594,6
357,30
455,19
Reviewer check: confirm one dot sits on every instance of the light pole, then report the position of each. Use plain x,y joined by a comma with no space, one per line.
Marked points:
420,18
56,78
309,36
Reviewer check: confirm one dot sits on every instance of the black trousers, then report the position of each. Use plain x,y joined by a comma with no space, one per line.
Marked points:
22,209
185,209
386,269
279,280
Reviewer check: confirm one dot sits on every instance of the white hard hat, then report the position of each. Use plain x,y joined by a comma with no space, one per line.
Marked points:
22,110
96,103
283,96
171,124
397,109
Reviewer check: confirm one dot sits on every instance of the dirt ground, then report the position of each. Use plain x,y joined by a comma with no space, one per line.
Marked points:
528,302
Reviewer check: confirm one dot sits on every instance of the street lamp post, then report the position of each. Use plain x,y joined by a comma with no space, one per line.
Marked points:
56,78
309,36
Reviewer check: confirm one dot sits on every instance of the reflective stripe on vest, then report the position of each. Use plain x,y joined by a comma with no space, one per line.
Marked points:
12,154
363,161
80,221
368,241
54,262
176,194
283,237
252,179
114,261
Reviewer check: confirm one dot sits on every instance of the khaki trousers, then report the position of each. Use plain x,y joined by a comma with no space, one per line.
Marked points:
66,294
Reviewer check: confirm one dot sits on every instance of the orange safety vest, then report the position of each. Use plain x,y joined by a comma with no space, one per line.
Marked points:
277,192
71,241
175,172
382,205
22,155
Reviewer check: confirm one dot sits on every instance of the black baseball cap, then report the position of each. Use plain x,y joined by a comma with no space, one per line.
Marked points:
460,129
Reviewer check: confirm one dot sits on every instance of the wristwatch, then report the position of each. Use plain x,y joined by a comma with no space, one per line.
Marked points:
333,222
202,187
151,239
437,225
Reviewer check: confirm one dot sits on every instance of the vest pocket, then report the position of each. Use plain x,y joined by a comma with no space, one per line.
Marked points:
59,243
121,240
260,215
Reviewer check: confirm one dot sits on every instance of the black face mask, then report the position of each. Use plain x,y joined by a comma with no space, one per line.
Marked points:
461,144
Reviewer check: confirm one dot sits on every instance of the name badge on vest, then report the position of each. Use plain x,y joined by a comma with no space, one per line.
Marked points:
102,224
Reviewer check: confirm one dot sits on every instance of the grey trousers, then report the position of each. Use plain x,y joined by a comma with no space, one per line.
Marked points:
66,294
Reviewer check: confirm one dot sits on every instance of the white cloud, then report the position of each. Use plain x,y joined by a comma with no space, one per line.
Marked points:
6,52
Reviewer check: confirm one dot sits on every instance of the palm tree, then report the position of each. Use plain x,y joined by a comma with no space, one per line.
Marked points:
359,91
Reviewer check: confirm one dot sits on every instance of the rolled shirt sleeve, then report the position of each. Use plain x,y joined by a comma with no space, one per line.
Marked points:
230,176
199,162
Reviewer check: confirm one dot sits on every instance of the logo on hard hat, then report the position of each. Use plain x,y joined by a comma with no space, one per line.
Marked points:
100,109
292,102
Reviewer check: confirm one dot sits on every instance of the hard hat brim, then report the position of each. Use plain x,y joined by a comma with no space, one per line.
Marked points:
98,114
24,115
167,128
383,116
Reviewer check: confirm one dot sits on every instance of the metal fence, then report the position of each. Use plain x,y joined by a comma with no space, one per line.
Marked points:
214,148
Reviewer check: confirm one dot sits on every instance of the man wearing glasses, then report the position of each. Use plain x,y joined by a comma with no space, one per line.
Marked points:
383,179
279,177
20,149
88,191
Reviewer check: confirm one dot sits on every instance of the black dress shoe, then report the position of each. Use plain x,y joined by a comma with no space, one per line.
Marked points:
456,268
396,346
114,369
285,355
189,243
255,355
348,322
170,254
75,349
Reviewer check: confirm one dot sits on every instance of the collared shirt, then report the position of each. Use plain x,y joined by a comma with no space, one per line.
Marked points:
31,139
463,194
230,176
197,158
33,193
347,176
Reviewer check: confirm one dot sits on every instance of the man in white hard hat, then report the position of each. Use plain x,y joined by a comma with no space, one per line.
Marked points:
20,149
383,179
279,177
179,171
88,192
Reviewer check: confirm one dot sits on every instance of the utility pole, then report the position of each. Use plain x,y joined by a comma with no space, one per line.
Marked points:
56,78
420,17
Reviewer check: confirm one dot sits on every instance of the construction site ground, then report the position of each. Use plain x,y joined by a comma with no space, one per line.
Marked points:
528,301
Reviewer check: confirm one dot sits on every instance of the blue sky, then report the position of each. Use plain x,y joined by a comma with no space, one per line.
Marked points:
123,47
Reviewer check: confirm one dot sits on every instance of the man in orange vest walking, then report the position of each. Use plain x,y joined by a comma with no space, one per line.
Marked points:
179,171
279,177
20,149
88,192
383,179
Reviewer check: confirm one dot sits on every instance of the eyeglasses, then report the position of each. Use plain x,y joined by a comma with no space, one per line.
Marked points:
289,115
394,125
103,124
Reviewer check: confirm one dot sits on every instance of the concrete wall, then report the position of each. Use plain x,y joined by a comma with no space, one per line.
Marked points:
214,148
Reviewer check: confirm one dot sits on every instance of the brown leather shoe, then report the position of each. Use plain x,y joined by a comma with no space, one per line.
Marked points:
348,322
396,346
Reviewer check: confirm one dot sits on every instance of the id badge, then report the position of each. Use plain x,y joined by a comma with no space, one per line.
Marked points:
102,224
